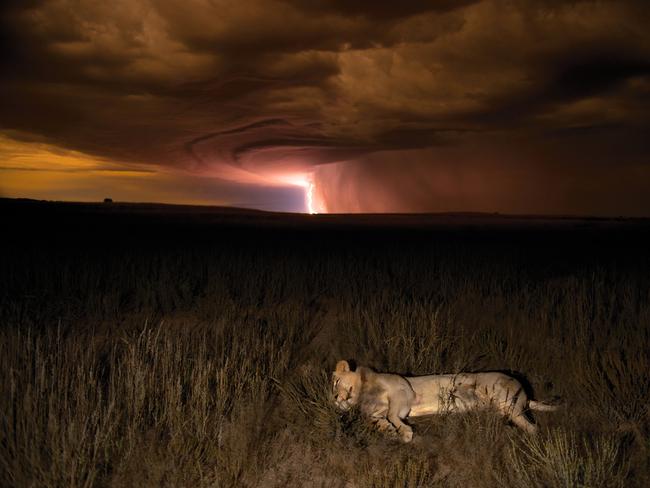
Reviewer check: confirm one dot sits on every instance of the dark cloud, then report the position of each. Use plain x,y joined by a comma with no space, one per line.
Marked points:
366,98
386,11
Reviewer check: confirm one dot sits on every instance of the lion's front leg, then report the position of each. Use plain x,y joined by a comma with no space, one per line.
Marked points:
404,431
398,409
383,425
387,416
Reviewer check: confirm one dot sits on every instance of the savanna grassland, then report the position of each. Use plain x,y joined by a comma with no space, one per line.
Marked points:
170,346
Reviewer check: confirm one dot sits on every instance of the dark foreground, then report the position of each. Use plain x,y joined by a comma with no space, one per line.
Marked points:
148,345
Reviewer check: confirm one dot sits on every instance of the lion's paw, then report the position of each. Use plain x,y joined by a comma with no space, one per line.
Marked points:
406,434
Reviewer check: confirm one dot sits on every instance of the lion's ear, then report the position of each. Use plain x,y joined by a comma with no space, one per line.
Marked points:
342,366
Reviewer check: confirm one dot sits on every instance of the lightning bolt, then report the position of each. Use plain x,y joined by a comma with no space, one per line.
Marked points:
313,200
309,197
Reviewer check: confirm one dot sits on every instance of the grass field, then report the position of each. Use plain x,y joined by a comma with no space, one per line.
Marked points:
179,348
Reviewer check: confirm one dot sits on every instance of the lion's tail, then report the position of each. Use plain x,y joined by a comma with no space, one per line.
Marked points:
542,406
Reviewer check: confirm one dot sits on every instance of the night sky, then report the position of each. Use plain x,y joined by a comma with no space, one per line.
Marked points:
524,107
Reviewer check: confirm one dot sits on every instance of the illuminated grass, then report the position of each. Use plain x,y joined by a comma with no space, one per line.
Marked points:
209,367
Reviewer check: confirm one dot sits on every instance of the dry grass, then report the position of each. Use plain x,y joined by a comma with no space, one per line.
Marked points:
559,459
204,367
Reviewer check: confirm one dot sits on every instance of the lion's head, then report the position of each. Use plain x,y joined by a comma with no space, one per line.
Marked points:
346,386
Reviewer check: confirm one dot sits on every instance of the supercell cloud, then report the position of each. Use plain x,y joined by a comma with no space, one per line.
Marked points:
411,106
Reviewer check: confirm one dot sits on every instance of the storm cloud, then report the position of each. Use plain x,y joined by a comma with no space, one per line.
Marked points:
411,106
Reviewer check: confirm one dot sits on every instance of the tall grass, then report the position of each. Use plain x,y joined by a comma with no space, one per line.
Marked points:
166,402
204,365
559,459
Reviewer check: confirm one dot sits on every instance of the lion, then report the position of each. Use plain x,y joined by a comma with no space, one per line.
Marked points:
388,399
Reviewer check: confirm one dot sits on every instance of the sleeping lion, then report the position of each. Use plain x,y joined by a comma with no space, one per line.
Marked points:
388,399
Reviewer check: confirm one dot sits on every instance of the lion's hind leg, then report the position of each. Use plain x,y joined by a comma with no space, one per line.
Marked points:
522,421
512,404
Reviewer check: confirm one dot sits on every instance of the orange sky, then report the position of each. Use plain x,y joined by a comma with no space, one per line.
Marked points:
43,171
